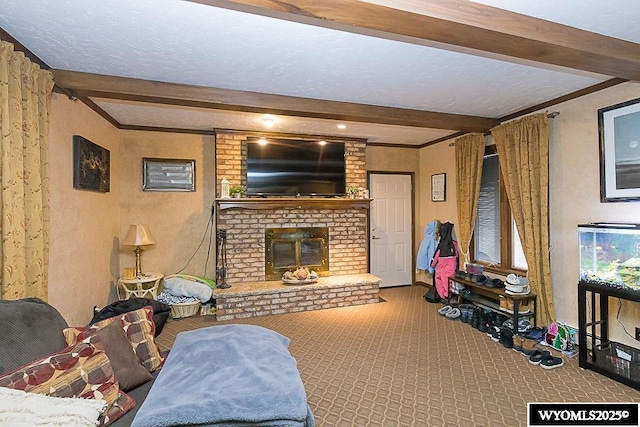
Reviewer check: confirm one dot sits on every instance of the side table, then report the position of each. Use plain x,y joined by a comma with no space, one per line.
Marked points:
140,286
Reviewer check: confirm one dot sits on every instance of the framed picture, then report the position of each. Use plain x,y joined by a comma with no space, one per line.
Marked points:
438,187
168,175
619,127
91,166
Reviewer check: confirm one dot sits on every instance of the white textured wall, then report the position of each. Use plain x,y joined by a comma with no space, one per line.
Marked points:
435,159
84,259
575,199
177,220
391,159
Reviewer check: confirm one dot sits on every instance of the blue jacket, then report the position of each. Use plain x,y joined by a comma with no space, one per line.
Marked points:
427,247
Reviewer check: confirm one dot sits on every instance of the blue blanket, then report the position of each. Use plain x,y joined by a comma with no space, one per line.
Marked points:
228,375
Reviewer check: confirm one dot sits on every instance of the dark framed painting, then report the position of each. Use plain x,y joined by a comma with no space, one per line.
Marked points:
168,175
438,187
619,128
91,166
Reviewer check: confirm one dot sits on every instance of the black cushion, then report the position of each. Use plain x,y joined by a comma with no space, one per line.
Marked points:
29,329
161,311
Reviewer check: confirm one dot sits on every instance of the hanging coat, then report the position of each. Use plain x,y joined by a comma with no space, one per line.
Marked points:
445,260
428,247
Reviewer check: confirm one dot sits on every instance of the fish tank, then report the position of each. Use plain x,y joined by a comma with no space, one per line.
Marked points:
610,255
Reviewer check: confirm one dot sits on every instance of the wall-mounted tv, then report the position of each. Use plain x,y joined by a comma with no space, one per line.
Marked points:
295,168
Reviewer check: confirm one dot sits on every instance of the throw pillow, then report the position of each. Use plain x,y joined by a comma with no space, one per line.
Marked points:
138,326
126,366
82,370
20,408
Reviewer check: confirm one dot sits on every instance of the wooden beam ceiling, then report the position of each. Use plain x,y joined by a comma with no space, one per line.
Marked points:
464,24
111,87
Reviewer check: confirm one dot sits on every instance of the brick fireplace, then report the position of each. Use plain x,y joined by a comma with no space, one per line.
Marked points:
346,283
347,225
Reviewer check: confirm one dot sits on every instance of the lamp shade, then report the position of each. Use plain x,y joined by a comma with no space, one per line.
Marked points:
138,235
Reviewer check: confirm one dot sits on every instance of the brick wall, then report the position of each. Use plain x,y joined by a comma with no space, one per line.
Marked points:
291,300
245,228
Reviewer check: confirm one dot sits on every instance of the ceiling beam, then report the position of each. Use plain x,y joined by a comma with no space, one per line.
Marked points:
111,87
460,23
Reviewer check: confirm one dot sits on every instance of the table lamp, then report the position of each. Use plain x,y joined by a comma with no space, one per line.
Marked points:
138,235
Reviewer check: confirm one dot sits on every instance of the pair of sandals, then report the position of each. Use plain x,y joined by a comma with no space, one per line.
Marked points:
452,313
545,359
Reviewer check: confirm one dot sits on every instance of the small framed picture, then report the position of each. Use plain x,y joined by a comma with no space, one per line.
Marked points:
168,175
91,166
438,187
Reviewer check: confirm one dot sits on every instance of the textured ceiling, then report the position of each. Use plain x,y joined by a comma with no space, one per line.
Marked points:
190,43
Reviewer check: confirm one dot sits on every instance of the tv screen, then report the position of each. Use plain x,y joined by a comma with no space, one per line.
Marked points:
293,167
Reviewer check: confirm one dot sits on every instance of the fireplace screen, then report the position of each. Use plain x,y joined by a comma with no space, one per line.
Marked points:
290,248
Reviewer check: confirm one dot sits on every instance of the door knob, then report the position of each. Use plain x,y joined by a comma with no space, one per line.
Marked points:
375,237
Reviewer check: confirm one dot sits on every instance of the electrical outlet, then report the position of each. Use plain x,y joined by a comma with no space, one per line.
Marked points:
637,334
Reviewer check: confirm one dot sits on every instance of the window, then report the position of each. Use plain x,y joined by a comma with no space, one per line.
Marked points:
496,243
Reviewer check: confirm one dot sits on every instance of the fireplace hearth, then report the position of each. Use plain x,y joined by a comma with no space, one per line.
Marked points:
290,248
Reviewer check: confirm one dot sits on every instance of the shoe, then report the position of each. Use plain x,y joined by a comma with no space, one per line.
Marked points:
518,340
506,338
480,279
494,333
483,323
453,314
528,347
524,325
538,356
536,333
466,311
552,362
476,317
444,310
494,283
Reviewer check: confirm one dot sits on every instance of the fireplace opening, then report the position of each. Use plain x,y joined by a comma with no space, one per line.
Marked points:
290,248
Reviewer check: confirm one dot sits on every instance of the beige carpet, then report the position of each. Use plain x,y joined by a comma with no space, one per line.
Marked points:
399,363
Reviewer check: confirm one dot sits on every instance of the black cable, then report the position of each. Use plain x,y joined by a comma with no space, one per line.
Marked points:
209,224
618,319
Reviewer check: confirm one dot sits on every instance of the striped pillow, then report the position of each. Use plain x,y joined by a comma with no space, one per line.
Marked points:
81,370
138,326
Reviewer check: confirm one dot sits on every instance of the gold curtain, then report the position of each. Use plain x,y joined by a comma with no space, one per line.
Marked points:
25,100
469,159
523,152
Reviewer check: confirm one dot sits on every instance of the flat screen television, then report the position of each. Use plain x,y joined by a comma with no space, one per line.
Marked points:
295,168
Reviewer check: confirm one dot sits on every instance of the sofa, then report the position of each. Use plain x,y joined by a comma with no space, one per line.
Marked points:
244,374
31,329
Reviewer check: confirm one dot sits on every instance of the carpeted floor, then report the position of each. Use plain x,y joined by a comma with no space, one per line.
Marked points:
399,363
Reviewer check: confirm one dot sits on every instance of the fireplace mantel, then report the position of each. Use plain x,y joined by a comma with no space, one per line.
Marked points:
293,202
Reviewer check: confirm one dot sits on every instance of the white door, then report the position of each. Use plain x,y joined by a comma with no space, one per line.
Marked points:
391,230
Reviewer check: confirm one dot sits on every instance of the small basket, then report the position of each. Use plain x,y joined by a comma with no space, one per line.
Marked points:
608,354
185,309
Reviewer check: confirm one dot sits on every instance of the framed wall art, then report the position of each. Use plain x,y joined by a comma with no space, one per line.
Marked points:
91,166
438,187
619,127
168,175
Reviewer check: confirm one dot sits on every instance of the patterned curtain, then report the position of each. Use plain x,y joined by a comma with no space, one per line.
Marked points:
25,99
469,159
523,152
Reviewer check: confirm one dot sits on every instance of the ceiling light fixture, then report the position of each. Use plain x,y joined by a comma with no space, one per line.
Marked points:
268,120
341,126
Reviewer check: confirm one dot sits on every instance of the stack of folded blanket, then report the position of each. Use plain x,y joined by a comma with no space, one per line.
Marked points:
183,288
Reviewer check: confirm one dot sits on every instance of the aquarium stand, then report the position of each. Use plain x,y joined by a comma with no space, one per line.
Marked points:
609,358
